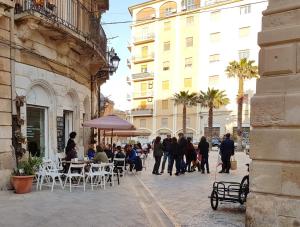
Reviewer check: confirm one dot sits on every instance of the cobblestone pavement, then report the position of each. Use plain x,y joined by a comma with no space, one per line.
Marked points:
185,197
140,200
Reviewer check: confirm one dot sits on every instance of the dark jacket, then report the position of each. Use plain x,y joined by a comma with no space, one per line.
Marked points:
182,146
190,152
158,149
227,148
71,154
203,149
167,144
174,152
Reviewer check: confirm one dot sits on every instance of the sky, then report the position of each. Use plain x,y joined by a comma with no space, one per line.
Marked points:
118,36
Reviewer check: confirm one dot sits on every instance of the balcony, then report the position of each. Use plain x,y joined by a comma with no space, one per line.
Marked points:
142,59
142,76
128,80
212,2
71,17
146,111
142,95
145,38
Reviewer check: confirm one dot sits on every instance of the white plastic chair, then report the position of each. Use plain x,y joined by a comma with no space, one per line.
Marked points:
49,172
96,175
109,171
78,174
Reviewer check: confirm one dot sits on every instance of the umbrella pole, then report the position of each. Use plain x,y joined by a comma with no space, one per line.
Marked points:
111,138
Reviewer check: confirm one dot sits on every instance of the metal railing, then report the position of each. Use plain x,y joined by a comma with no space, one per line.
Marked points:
148,110
144,37
71,14
211,2
145,94
142,75
146,57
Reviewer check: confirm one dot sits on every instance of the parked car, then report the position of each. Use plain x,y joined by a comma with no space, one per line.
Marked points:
215,142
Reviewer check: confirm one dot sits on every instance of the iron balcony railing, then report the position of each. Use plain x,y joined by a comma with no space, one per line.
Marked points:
144,37
71,14
145,94
142,111
143,58
211,2
144,75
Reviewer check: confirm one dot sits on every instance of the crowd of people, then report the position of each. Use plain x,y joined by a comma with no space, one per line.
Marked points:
169,153
186,157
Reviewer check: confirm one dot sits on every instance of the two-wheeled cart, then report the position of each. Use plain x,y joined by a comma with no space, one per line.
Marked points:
229,192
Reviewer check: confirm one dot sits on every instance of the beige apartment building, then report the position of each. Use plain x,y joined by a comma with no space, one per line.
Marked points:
51,52
186,45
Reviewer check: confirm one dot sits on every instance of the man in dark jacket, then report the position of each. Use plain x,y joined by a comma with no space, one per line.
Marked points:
182,146
166,148
226,151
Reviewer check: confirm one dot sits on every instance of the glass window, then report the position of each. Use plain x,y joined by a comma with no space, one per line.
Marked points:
164,122
245,9
167,46
189,42
188,62
215,16
215,37
213,81
36,138
244,32
187,82
143,104
144,68
244,54
143,123
167,26
165,85
169,11
214,58
145,51
190,4
164,104
166,65
190,20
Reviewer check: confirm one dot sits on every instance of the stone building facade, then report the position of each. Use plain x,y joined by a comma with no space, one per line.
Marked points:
50,54
274,199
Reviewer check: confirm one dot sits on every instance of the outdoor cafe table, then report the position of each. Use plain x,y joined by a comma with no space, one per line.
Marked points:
87,162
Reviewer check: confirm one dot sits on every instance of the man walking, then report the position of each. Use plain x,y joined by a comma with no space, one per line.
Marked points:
226,151
167,147
182,146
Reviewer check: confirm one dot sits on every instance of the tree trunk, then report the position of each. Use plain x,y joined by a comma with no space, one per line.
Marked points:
210,125
184,119
240,101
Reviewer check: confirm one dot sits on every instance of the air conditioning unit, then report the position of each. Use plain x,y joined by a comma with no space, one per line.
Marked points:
183,8
152,16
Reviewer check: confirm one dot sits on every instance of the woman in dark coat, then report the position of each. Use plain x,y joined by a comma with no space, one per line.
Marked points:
157,153
203,147
190,151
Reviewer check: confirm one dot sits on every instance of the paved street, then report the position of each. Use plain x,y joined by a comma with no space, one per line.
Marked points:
142,200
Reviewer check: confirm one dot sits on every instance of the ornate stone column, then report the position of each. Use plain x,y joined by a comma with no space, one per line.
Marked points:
6,162
274,199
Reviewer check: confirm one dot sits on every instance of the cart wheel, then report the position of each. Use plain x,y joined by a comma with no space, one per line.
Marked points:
214,200
244,189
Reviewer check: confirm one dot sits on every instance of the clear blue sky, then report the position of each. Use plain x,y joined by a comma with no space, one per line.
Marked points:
116,88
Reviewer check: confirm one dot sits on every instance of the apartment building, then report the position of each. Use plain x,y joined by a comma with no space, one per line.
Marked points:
187,45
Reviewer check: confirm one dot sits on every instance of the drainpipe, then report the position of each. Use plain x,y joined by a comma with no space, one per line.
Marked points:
12,61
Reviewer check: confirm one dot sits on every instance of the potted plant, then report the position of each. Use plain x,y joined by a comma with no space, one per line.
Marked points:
24,173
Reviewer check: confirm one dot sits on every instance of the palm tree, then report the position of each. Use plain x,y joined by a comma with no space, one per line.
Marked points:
243,70
186,99
212,99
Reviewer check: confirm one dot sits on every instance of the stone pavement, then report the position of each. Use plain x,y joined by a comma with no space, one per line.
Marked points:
185,197
141,200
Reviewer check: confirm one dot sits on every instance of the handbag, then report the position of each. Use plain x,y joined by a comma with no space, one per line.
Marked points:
233,163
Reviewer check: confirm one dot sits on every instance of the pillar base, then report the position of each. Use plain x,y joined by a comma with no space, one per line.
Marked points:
271,210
